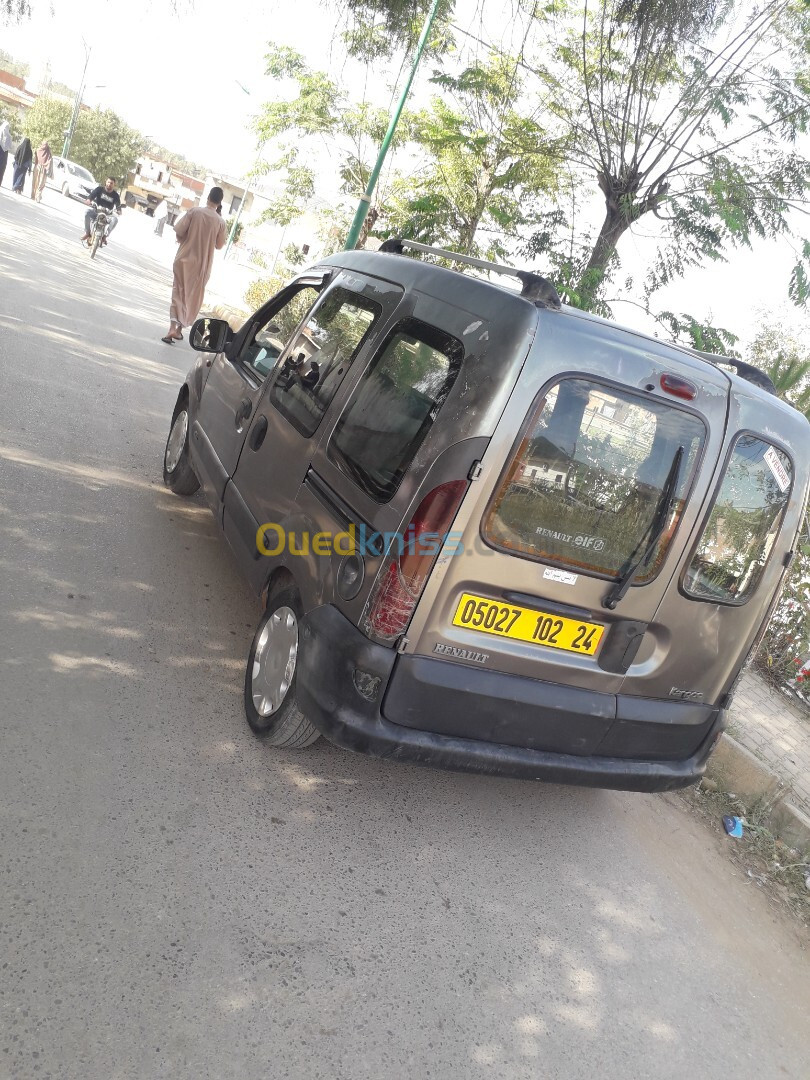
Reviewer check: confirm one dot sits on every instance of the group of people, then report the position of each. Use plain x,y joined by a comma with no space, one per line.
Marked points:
200,232
26,160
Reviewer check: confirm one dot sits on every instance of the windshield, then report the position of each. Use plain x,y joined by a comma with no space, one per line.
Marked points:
585,482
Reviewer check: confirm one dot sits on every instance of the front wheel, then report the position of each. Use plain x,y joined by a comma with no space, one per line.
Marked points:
177,471
271,704
96,241
66,191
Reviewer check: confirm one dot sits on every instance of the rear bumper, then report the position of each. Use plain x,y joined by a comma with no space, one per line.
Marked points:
348,707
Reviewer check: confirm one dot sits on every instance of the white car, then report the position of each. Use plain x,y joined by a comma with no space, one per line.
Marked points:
71,179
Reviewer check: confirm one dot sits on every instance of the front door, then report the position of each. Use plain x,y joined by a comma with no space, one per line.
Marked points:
234,386
288,422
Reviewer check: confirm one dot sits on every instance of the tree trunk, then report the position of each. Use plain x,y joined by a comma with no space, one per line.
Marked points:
613,228
368,225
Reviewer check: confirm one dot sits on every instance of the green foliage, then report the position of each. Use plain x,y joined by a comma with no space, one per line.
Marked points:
237,232
7,61
293,255
105,144
7,112
261,290
785,646
787,362
377,29
48,119
705,337
319,109
681,115
478,161
487,164
102,142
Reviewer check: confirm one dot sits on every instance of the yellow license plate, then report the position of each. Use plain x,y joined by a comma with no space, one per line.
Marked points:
527,624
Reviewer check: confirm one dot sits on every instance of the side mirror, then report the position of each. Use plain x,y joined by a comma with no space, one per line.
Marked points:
210,335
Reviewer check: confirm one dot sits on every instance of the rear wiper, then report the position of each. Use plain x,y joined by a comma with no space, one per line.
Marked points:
655,532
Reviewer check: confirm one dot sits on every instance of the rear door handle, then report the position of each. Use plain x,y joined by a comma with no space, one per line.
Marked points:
257,433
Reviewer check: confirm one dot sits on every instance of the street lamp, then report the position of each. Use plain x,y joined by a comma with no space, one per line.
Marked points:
77,104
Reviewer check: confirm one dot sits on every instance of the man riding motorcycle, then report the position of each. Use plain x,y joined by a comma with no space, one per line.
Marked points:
105,198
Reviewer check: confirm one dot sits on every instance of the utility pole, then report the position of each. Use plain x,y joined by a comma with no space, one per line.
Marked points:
245,194
77,104
365,198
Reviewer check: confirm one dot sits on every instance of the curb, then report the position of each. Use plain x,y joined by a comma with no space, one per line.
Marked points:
734,768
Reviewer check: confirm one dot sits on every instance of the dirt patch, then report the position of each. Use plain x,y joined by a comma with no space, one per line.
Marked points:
768,864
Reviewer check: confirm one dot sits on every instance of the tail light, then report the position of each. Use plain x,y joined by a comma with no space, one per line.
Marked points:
405,571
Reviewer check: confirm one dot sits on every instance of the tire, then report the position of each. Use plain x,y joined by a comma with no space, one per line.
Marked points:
271,704
66,191
177,471
95,243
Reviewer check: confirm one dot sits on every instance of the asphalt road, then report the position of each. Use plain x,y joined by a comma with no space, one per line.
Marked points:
180,900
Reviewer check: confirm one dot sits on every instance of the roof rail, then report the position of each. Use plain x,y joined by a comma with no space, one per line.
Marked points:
535,287
746,371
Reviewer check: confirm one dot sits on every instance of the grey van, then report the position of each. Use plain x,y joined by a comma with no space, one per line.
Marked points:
489,532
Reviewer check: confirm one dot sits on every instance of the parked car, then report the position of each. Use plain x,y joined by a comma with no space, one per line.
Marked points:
489,532
71,179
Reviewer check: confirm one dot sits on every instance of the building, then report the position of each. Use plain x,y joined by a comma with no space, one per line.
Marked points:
153,181
15,97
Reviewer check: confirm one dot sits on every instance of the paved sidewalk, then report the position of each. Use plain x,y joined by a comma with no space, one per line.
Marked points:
776,731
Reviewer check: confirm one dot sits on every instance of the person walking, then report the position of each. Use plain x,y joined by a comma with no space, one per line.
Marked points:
22,165
5,146
199,233
43,168
160,215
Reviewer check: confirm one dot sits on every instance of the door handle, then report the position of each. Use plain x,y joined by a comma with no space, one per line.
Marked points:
244,410
257,434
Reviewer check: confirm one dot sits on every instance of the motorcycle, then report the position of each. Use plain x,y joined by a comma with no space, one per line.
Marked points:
99,228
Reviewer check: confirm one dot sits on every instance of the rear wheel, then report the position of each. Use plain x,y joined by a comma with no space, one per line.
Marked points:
271,705
177,471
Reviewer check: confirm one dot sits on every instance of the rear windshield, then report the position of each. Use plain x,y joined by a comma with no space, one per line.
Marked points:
586,484
743,525
394,407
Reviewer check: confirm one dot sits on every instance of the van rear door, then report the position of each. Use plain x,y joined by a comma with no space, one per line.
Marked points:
589,489
728,575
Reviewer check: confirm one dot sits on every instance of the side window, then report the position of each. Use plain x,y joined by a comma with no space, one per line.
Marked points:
264,346
739,536
394,406
320,357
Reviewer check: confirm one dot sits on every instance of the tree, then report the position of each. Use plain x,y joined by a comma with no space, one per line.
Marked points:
106,145
787,362
102,142
15,10
486,163
476,161
48,119
14,67
320,124
688,114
